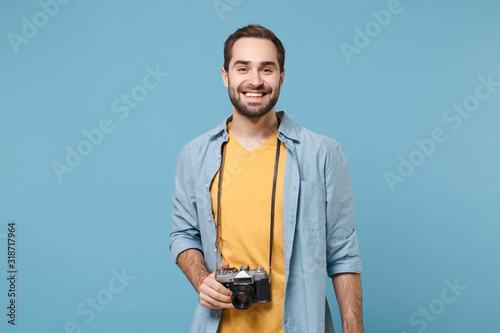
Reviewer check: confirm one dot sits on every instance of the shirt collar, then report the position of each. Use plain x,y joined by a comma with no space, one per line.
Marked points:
287,127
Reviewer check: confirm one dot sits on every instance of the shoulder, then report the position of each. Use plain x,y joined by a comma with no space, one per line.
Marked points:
307,140
322,146
318,140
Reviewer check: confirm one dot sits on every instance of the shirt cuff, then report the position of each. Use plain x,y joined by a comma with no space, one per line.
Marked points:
181,245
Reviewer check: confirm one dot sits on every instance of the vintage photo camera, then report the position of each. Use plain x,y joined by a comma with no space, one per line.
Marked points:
248,285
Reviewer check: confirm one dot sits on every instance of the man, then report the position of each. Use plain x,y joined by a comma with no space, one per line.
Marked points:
272,170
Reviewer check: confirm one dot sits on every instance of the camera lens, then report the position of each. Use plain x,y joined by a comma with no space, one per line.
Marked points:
242,297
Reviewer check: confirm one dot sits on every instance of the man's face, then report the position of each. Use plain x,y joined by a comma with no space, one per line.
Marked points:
253,78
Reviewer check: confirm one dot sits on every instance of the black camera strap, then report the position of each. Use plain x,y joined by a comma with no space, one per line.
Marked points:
273,200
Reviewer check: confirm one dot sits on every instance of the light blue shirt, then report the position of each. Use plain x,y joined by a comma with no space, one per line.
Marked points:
318,214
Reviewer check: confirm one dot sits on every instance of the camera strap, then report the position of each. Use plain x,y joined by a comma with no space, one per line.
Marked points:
273,200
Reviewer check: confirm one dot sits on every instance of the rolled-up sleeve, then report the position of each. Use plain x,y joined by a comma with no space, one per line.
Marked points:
342,244
185,232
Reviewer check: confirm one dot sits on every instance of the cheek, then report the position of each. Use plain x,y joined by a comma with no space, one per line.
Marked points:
276,82
275,86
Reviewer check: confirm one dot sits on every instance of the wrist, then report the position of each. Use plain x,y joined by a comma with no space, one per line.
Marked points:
352,324
203,275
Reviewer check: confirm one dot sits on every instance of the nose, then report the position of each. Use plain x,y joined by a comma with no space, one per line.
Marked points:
255,79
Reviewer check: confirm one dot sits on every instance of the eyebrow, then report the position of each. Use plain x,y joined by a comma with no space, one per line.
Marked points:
262,63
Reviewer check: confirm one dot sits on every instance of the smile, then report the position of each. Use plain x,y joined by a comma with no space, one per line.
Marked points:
254,94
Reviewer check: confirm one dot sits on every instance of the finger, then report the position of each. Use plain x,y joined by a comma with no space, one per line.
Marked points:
211,282
224,265
214,304
210,297
213,299
218,287
217,291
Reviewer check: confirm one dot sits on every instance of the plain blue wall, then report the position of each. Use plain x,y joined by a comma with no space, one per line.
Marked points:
64,70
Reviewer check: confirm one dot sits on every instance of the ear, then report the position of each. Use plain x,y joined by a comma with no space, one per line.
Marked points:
225,78
282,77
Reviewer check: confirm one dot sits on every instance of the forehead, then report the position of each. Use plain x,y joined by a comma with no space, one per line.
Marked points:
254,50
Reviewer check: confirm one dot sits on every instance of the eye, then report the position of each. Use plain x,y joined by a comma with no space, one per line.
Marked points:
242,69
267,70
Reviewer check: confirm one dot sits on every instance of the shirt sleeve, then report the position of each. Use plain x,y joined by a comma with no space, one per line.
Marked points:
185,232
342,244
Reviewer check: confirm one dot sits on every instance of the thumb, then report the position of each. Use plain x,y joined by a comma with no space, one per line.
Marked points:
224,265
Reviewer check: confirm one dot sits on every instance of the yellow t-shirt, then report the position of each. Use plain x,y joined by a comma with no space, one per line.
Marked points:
245,228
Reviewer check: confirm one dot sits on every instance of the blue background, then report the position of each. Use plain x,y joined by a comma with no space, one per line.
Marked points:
112,212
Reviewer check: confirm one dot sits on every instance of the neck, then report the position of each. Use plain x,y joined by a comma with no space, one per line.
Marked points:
252,132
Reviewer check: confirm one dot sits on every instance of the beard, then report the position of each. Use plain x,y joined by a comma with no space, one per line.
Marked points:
253,109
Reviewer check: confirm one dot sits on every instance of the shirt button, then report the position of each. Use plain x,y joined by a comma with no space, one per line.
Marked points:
216,315
218,157
206,185
210,218
215,250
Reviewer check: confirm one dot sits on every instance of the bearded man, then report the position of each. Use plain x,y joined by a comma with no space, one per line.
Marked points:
269,198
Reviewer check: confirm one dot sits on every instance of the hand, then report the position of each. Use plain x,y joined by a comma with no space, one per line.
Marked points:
213,294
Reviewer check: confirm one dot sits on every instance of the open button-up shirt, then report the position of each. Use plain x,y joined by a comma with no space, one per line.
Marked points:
318,214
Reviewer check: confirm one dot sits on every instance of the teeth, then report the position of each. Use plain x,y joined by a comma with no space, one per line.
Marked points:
253,94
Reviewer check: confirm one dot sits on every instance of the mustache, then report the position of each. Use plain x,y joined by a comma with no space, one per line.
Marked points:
261,87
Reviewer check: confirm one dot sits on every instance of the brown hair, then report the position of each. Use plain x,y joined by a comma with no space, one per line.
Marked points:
254,31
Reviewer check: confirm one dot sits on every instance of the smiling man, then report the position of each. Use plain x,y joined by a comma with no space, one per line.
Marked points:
269,198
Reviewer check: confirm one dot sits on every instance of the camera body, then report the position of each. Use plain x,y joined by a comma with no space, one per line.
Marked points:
248,285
